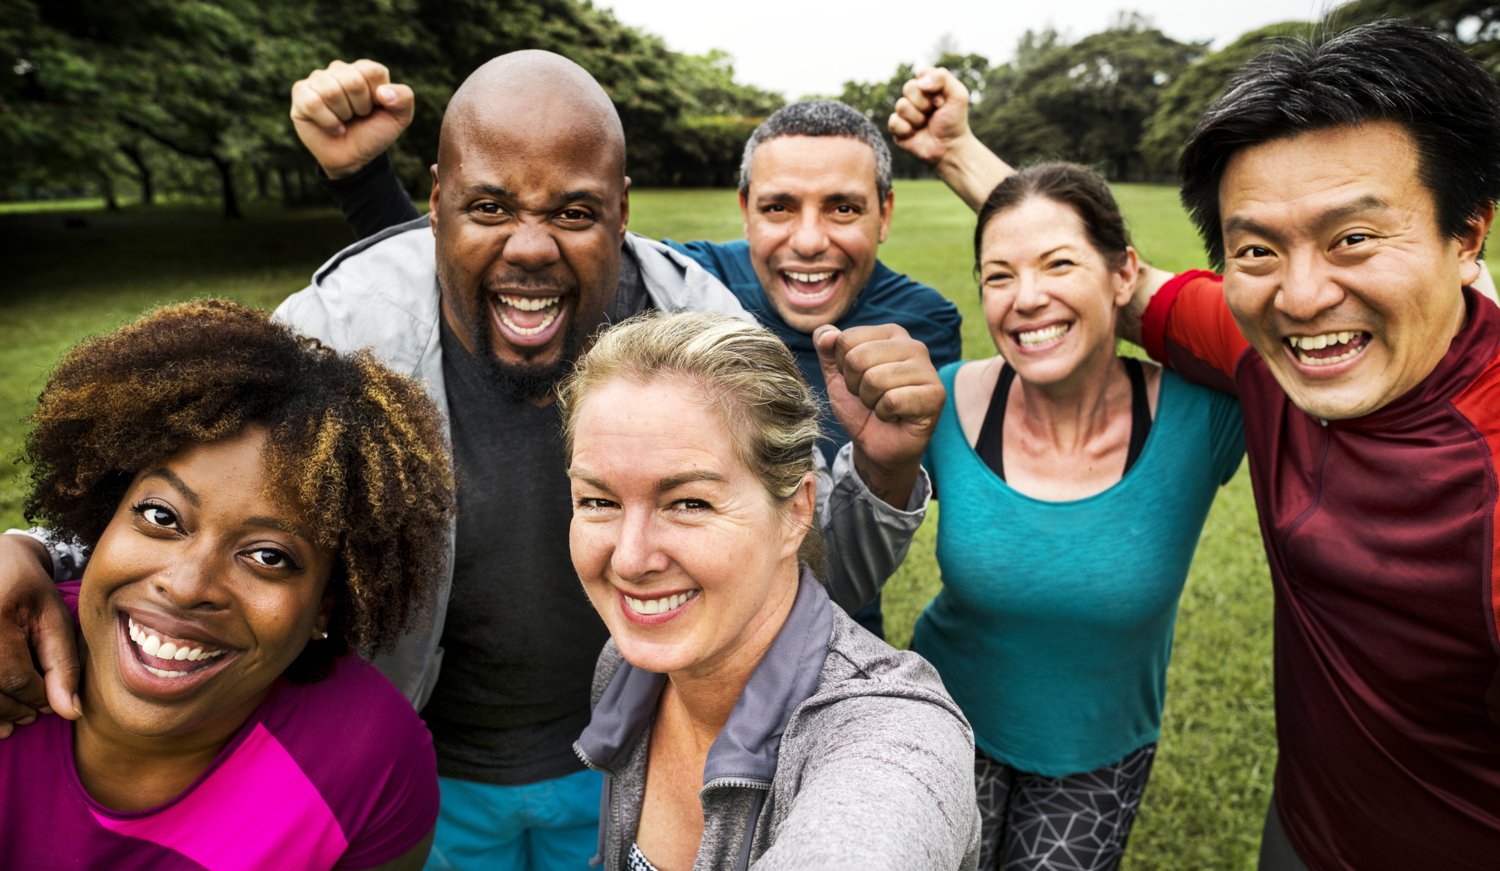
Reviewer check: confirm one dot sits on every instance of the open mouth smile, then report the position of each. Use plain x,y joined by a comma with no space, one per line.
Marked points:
658,610
527,321
810,289
1040,337
163,665
154,653
1327,349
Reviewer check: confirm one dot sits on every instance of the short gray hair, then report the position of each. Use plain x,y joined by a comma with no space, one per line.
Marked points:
822,118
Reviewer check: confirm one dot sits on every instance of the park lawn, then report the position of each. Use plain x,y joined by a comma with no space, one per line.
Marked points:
1212,775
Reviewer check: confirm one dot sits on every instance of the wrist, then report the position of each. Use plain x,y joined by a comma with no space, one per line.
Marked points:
890,479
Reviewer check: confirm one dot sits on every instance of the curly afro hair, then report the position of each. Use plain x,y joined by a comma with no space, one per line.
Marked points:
357,447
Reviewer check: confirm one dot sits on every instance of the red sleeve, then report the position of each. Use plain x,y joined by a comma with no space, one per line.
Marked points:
1187,327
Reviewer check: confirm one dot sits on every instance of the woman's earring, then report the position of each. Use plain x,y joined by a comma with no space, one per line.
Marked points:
323,636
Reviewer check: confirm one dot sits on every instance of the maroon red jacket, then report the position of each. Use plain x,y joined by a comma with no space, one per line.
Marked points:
1381,537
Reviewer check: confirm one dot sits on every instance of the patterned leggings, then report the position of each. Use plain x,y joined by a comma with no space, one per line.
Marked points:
1078,822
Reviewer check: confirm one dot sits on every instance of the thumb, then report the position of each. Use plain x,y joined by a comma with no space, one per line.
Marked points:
826,342
399,100
57,655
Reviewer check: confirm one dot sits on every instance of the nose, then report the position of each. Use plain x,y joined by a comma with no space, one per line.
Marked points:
1306,289
637,552
809,239
191,583
1030,294
531,246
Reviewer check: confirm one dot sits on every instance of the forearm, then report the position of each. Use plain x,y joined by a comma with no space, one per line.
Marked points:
866,534
59,559
972,171
371,199
1148,282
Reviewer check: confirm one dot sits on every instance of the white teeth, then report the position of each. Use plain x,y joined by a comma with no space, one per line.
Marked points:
1321,341
531,305
152,645
659,606
1032,338
809,277
161,672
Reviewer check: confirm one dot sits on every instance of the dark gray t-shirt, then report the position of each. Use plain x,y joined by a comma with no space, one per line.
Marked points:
520,639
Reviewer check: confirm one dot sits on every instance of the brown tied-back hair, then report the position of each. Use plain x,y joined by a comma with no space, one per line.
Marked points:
358,448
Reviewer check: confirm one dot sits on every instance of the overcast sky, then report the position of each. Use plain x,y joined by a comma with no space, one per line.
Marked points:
800,47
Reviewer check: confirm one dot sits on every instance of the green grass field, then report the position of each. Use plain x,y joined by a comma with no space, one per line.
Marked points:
1212,775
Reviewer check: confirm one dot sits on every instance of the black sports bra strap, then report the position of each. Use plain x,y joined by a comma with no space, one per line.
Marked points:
1140,410
991,444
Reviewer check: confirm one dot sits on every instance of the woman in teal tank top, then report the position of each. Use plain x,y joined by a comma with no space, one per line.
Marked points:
1074,486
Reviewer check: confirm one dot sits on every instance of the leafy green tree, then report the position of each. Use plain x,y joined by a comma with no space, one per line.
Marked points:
1183,101
718,115
1087,101
1475,25
205,80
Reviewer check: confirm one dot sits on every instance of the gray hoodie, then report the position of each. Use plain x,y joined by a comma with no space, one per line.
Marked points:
841,752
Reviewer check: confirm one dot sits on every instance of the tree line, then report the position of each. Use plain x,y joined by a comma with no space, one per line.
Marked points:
191,95
1125,100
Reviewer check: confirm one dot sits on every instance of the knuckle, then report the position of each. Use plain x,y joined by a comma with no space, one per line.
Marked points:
15,682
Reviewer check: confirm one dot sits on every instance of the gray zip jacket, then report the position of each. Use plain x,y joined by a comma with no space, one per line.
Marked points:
841,752
382,293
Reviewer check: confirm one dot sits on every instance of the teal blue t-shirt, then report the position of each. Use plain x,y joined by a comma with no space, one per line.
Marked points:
1054,623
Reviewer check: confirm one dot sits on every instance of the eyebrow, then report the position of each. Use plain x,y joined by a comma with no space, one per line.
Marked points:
503,193
177,484
672,482
1366,203
1000,261
665,485
783,198
279,525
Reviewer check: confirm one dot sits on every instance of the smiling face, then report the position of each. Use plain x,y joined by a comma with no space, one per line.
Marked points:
813,218
199,594
1050,298
529,215
679,546
1335,269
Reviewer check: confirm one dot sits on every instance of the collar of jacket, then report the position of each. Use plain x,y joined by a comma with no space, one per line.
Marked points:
745,751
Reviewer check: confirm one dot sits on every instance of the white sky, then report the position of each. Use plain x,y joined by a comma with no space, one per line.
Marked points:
801,47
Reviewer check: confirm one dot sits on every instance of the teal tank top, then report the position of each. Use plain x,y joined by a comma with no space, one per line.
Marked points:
1053,627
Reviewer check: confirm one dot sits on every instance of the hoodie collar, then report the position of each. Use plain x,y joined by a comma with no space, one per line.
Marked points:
747,747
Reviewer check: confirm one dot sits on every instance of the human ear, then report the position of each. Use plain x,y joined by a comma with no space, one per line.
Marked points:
1127,275
800,512
1471,244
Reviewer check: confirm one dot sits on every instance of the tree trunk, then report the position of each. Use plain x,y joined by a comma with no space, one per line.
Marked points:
108,185
286,184
262,182
226,182
143,171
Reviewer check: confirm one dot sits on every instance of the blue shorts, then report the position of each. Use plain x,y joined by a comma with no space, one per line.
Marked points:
552,825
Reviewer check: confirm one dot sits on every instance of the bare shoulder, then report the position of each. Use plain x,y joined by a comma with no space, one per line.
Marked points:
1153,372
973,385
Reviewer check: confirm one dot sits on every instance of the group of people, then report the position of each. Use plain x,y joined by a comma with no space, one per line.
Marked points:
740,439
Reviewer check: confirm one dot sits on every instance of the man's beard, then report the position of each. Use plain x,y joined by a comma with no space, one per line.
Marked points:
524,382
